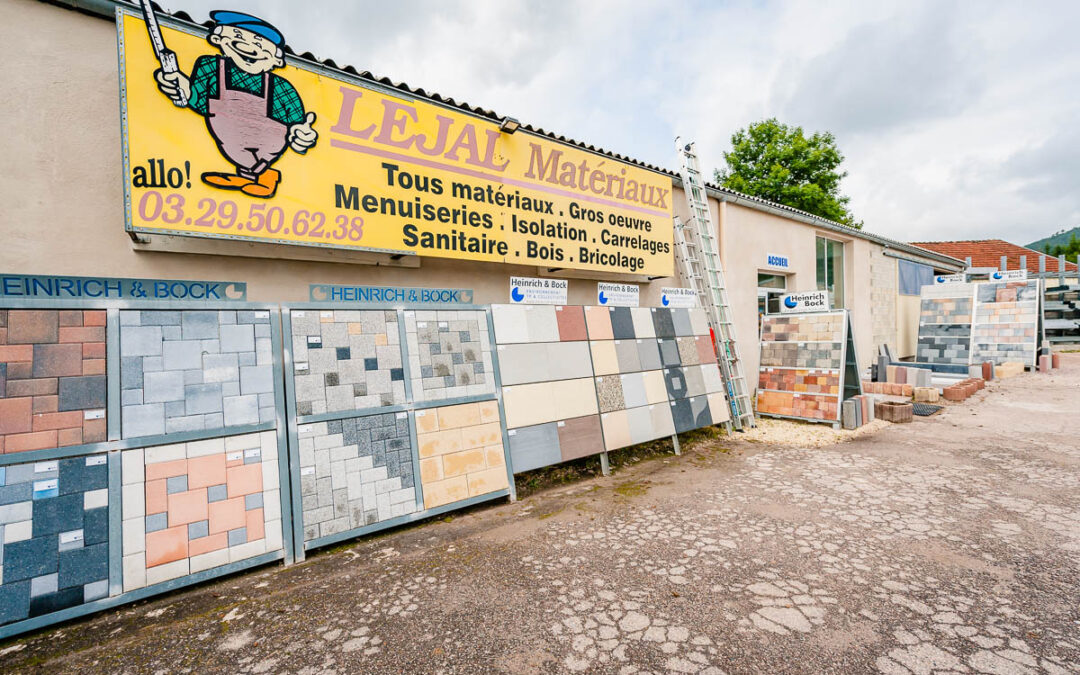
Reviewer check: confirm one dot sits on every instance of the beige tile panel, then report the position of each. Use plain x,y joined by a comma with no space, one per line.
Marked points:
604,359
529,404
574,398
718,408
655,390
616,428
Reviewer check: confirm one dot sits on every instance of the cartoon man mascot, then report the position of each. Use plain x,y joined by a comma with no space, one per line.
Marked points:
253,114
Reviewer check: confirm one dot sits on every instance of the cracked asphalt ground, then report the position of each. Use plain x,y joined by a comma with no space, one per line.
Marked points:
949,545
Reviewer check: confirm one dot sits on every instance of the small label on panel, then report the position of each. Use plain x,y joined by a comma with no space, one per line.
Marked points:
94,414
410,313
512,432
401,415
234,456
618,342
421,413
301,367
96,460
639,341
326,315
262,315
299,314
315,340
562,424
421,324
444,324
307,470
43,467
305,430
71,537
501,347
253,452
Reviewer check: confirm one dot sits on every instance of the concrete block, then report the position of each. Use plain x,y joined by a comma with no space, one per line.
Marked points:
926,394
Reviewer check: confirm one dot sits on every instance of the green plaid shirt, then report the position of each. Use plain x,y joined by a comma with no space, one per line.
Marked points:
285,104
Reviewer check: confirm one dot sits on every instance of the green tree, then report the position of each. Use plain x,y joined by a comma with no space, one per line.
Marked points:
1071,250
782,164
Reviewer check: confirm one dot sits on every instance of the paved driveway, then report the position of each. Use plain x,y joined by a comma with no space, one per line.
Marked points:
948,545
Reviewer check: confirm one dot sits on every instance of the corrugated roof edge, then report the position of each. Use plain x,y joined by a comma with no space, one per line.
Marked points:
106,9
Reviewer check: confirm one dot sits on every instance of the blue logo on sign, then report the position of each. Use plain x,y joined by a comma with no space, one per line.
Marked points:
941,280
664,300
516,295
603,298
997,275
790,303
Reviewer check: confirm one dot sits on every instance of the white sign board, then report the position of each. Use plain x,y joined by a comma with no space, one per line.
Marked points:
532,291
950,278
810,301
616,295
678,297
777,261
1011,275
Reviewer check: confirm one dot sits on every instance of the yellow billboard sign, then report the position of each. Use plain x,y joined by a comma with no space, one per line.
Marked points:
225,139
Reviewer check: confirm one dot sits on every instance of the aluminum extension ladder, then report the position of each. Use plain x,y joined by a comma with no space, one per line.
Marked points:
698,253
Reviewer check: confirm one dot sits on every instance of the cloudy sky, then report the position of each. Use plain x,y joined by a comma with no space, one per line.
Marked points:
959,120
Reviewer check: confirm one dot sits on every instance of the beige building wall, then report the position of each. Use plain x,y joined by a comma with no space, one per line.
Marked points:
61,184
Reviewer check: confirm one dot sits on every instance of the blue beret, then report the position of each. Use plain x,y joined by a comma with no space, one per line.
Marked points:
249,22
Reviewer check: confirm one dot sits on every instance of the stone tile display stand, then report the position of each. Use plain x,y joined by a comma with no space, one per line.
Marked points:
363,382
1006,323
547,369
52,378
603,378
945,318
807,366
664,378
149,456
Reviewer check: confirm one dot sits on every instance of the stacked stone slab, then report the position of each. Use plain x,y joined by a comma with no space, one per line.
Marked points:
945,315
1006,322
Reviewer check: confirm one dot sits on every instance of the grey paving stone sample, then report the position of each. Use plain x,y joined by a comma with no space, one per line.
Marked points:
355,472
649,354
346,360
55,540
193,379
663,324
450,351
534,447
622,324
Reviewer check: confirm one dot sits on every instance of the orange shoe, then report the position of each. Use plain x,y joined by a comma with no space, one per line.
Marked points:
226,181
266,185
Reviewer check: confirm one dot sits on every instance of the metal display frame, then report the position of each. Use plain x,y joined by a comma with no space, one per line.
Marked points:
410,407
115,444
973,295
846,339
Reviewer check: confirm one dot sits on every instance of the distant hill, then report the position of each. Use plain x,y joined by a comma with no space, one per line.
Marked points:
1054,239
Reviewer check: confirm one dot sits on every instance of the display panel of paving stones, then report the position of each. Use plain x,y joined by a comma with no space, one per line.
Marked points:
346,360
194,506
945,324
799,373
355,472
194,370
449,354
52,378
461,452
54,530
546,370
1006,322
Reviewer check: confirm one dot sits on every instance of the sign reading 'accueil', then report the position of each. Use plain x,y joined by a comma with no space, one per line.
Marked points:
381,295
776,261
225,137
810,301
534,291
107,288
